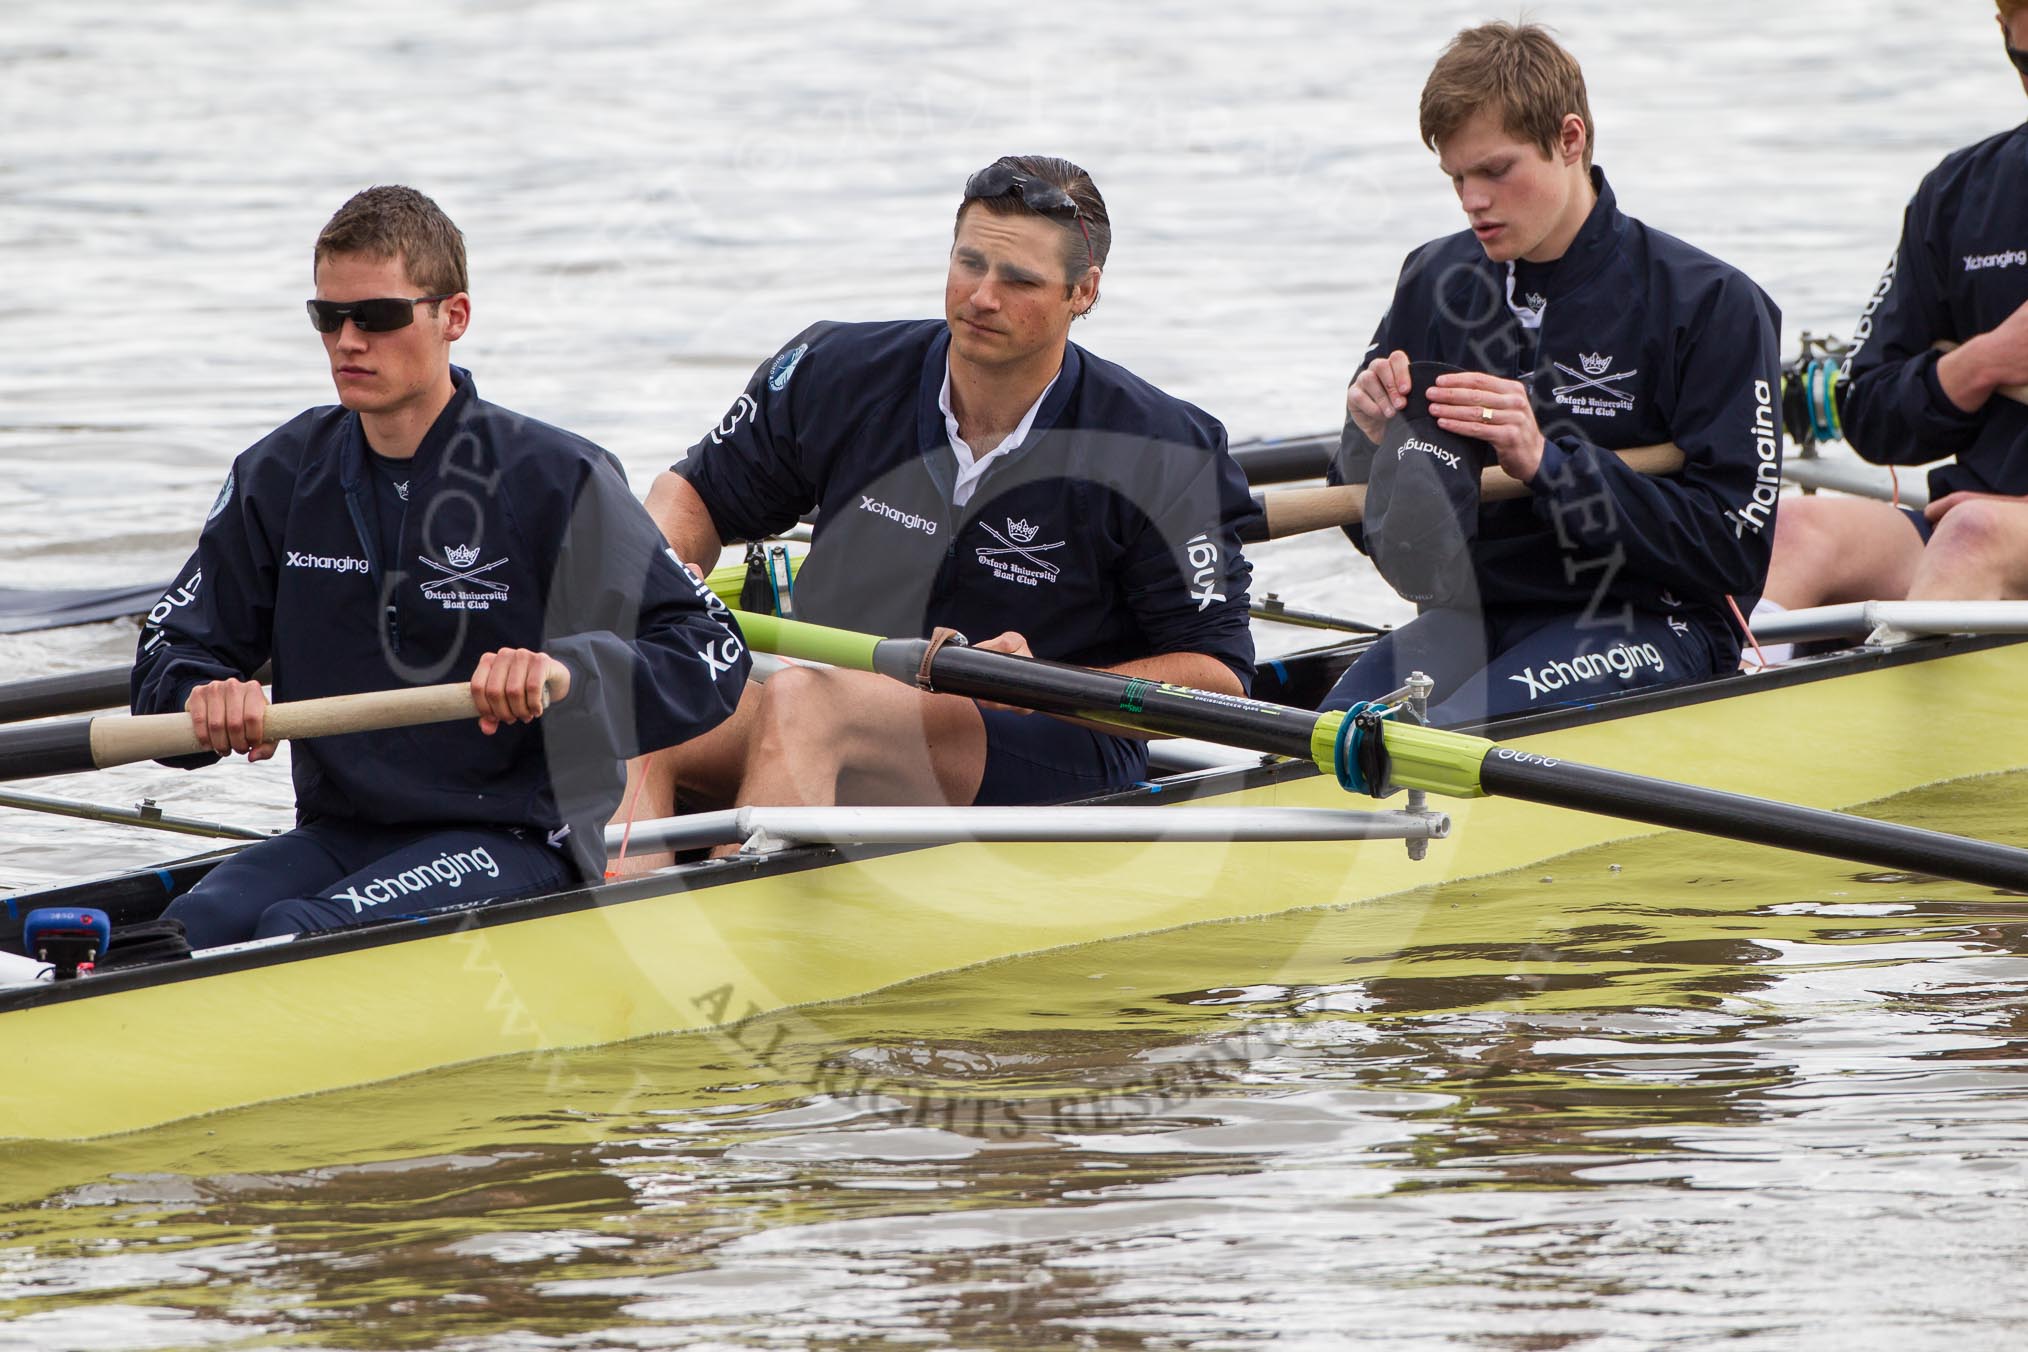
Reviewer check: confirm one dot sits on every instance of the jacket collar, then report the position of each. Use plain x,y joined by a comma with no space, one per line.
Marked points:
1597,241
352,452
929,415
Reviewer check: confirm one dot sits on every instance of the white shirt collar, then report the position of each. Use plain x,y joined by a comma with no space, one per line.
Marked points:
1529,315
972,468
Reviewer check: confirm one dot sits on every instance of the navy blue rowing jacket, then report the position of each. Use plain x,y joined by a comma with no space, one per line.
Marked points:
1961,268
517,534
1642,340
1111,534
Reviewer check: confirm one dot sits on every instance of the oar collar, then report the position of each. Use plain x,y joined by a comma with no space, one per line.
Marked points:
1359,751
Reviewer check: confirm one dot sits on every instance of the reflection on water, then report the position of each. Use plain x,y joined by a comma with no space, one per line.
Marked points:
1674,1094
1666,1092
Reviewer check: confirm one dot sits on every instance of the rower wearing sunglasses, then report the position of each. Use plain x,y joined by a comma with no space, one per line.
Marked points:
1938,367
410,535
979,473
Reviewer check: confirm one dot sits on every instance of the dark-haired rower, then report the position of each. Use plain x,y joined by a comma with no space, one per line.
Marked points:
982,473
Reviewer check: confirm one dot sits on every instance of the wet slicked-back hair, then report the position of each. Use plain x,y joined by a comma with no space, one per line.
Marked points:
397,222
1517,70
1073,180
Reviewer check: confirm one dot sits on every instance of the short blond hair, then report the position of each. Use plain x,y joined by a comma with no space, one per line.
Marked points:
1518,70
2009,8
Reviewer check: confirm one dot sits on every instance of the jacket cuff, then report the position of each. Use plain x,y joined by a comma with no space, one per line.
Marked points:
1558,470
1942,410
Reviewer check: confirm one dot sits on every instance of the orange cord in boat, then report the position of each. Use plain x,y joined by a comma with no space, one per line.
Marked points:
627,829
1747,629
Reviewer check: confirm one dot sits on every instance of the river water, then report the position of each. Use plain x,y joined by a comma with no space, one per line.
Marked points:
1710,1095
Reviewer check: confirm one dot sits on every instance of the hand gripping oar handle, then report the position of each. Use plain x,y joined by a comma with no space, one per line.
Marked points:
120,739
106,688
1450,763
1293,511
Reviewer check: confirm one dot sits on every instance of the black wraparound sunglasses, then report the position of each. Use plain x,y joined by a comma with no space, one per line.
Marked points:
383,314
1038,195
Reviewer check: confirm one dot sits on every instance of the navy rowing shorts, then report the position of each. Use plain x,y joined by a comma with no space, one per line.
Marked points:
1919,521
329,874
1488,666
1033,758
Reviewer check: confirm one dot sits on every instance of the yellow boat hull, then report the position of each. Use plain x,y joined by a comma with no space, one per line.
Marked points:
717,945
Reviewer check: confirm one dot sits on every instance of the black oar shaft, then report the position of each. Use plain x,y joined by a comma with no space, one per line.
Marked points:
41,749
73,692
1281,460
1758,820
1104,696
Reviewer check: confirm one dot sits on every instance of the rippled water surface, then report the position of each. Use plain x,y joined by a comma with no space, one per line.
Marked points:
1672,1094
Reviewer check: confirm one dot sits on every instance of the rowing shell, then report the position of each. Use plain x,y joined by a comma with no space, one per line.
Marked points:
711,945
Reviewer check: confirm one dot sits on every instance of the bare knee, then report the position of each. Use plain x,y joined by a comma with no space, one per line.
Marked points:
1979,552
877,739
801,703
1980,528
1829,550
1810,533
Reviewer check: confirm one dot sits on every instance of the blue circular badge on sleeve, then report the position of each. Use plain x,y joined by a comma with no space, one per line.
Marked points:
785,366
224,497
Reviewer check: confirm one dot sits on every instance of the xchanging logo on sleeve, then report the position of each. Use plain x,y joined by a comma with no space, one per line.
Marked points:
1754,514
1202,556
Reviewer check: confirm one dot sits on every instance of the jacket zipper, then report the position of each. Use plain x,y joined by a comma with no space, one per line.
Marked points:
390,616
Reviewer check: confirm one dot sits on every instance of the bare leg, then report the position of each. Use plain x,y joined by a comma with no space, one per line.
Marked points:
857,737
817,737
1978,553
702,773
1832,550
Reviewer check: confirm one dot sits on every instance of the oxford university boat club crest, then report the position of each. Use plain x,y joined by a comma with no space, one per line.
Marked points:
461,582
1591,390
1016,557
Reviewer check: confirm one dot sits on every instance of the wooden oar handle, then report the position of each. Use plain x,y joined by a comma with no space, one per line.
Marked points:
2018,393
123,739
1292,511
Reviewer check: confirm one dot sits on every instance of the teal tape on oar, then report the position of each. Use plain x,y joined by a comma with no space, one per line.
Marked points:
1359,756
1820,386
